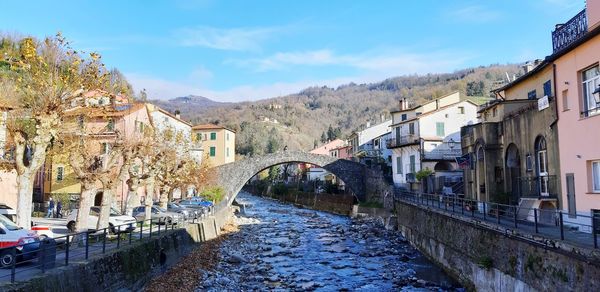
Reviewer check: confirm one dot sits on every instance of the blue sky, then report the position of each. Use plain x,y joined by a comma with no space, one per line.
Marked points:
248,50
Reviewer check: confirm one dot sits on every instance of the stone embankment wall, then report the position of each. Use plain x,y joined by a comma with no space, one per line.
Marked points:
129,268
485,259
333,203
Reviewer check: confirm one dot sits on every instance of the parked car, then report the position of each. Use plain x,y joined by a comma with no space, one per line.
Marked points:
43,231
114,220
8,212
194,205
201,201
188,213
26,243
158,214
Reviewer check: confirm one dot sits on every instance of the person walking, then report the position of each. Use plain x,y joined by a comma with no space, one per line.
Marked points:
59,209
50,208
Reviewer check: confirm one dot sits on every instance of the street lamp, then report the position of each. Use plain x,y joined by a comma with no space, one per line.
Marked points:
596,95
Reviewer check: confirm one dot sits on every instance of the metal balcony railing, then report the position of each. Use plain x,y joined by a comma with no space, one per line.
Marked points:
443,154
567,33
538,187
402,141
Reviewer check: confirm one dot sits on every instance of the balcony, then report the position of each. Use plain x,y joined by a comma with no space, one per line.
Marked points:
540,187
443,154
410,139
567,33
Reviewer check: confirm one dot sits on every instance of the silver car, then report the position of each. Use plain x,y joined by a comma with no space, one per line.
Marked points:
158,215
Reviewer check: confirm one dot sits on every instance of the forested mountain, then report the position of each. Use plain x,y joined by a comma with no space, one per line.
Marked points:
302,120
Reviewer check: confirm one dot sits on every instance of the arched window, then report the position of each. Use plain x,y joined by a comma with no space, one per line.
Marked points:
541,154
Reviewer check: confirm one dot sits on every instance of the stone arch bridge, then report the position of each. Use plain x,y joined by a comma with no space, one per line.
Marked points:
233,176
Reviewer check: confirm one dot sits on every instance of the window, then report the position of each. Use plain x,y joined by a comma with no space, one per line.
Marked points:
532,94
542,165
412,164
439,129
397,133
110,126
80,121
60,173
494,112
227,136
105,148
227,151
205,137
198,136
548,89
399,165
565,100
596,176
591,80
461,110
213,151
139,126
411,128
213,136
404,117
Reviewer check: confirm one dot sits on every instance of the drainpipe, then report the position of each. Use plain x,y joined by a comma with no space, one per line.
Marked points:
555,96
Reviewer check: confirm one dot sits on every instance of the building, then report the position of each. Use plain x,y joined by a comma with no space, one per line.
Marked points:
513,149
427,137
181,130
369,146
218,143
106,123
576,54
341,152
325,148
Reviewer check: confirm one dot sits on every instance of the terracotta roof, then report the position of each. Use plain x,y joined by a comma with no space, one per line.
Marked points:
210,127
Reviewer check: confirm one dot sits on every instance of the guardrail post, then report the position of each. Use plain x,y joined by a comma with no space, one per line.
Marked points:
14,264
130,232
462,206
42,256
104,241
484,212
87,244
453,203
560,221
515,215
159,219
141,228
594,230
498,213
67,251
118,236
535,219
472,206
150,227
439,202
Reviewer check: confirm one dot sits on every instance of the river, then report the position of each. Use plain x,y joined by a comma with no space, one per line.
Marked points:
282,247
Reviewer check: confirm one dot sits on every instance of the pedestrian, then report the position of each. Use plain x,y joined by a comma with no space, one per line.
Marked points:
59,209
50,208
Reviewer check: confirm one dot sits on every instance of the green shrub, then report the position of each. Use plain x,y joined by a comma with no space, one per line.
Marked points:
280,189
423,173
214,194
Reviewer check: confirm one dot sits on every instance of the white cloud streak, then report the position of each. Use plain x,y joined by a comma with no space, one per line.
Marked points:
231,39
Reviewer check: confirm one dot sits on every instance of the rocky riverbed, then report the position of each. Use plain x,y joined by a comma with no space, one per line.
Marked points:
282,247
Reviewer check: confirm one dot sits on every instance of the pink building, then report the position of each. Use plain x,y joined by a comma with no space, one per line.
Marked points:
342,152
324,149
577,74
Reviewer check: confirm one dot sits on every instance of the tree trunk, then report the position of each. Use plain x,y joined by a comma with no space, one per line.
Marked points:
164,196
85,203
107,198
133,199
149,195
24,199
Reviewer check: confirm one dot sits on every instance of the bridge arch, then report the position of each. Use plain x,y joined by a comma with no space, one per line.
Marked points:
233,176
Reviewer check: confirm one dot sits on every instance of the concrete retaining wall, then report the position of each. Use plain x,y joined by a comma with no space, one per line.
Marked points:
333,203
129,268
488,260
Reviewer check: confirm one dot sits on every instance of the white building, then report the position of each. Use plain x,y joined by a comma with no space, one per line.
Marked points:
162,120
428,136
367,144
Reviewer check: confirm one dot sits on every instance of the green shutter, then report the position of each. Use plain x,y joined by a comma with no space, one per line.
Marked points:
412,164
213,136
440,129
213,151
399,165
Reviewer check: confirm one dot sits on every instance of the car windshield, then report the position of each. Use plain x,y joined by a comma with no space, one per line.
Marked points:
114,212
7,223
160,209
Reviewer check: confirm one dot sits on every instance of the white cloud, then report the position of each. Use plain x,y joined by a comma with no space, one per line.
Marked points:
394,62
232,39
474,13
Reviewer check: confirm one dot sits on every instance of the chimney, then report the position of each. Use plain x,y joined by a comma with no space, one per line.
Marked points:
382,118
400,103
527,67
368,124
178,114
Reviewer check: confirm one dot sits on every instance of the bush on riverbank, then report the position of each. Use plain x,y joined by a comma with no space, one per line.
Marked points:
214,194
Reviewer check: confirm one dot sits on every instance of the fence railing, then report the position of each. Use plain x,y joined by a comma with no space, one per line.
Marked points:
539,186
567,33
580,229
32,255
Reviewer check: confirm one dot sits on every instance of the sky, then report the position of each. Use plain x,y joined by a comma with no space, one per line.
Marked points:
250,50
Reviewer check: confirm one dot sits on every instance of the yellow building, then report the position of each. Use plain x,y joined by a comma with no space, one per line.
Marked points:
217,142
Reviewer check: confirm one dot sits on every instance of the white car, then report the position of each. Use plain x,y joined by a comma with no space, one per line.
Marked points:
26,243
116,219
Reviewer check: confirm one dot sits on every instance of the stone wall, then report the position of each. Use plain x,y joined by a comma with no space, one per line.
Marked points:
490,260
333,203
129,268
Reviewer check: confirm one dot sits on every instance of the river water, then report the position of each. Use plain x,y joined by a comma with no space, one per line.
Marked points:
281,247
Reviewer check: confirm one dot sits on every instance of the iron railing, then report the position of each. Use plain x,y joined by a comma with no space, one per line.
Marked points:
579,229
402,141
36,257
538,187
567,33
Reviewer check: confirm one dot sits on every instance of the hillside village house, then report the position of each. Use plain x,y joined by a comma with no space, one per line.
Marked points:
341,152
103,122
369,145
218,143
513,149
427,137
576,56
